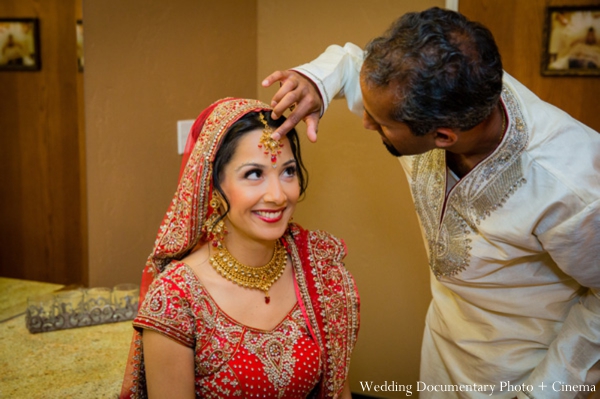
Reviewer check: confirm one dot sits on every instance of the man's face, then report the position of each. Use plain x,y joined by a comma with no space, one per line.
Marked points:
396,136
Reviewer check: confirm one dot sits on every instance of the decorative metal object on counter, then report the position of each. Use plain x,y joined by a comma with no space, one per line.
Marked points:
81,307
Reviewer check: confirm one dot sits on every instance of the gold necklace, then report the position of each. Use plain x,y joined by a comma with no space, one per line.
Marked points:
262,277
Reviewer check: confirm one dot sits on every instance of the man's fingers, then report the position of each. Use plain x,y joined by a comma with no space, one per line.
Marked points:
272,78
284,99
285,96
312,127
283,129
298,94
311,120
292,120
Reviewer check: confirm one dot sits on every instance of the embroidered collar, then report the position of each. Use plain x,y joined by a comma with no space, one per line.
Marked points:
448,222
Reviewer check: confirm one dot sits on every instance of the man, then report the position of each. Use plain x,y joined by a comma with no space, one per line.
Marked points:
507,190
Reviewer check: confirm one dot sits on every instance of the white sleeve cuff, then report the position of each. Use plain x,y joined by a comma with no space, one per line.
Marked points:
336,74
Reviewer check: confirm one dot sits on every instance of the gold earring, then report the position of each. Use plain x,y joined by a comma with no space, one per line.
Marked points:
214,225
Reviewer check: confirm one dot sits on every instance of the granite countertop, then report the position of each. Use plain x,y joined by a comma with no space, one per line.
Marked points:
86,362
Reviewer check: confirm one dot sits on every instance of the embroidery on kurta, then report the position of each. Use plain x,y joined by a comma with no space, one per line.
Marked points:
474,198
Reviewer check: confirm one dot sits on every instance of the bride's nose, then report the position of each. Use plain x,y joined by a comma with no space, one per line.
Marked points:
275,192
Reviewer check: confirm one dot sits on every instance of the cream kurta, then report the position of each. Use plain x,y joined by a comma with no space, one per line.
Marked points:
514,249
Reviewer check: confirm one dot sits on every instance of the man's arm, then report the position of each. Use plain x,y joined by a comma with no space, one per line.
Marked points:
311,87
573,358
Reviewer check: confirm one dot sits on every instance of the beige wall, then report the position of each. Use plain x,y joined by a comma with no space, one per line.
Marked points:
357,191
150,63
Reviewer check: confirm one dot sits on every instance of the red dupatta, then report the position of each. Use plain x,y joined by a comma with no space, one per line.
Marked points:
329,301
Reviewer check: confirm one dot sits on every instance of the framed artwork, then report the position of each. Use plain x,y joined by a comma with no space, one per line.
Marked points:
571,41
19,44
79,32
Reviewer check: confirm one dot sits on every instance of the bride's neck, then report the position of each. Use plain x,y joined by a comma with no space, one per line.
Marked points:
250,252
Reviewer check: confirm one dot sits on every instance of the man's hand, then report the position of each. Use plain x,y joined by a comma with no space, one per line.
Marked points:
300,93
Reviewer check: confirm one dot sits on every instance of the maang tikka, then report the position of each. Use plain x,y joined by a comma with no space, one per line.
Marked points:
270,145
215,231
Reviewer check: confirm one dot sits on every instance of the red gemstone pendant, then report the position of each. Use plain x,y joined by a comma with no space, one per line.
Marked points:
267,299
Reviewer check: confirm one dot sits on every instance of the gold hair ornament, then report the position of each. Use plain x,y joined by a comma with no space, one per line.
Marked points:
270,145
261,278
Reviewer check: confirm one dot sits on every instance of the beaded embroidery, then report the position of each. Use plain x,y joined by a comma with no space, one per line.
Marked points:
232,360
474,198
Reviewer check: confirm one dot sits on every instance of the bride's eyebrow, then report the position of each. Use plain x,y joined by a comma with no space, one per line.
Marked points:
261,166
253,164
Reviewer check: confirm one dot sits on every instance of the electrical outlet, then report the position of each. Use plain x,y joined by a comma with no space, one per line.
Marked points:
183,130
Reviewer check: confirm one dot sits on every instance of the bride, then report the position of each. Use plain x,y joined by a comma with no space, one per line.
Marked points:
236,300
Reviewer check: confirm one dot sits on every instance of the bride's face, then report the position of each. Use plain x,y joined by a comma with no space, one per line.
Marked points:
262,198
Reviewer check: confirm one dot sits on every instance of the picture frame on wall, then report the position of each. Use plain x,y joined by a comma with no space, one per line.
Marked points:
79,33
571,41
19,44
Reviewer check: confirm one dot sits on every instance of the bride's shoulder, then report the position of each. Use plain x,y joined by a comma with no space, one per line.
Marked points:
319,242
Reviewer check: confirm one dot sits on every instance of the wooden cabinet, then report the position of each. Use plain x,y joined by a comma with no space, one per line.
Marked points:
42,204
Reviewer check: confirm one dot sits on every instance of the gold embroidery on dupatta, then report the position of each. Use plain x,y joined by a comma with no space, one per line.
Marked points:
302,284
339,306
474,198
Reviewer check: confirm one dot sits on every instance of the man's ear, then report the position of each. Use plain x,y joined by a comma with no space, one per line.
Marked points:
445,137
